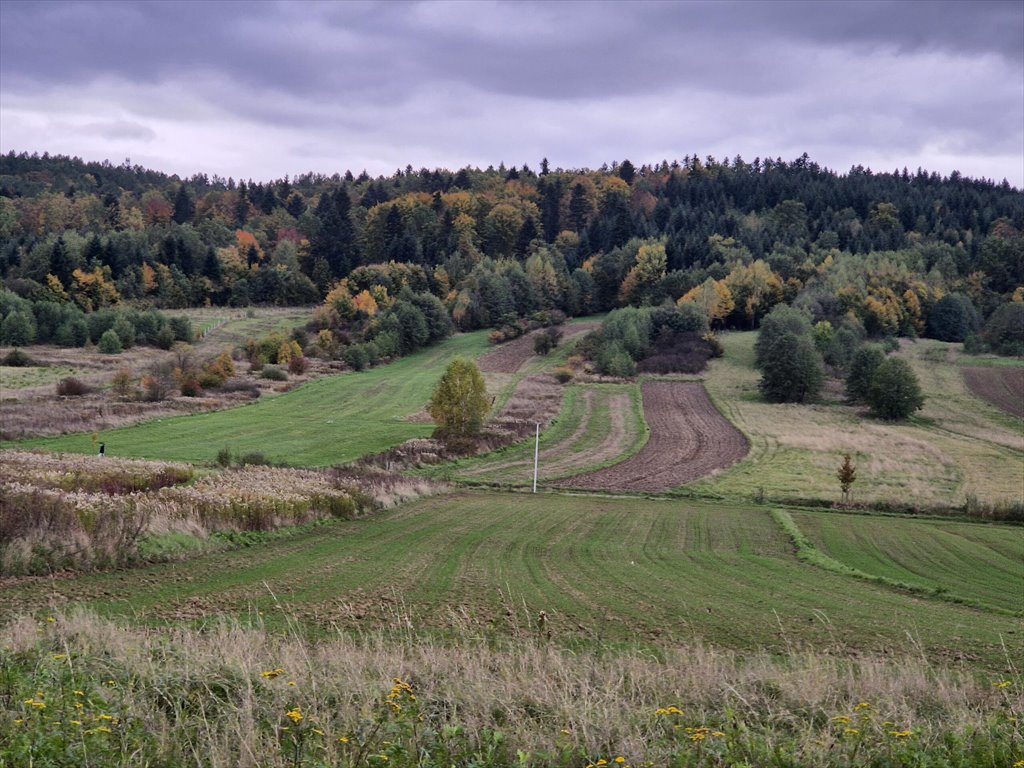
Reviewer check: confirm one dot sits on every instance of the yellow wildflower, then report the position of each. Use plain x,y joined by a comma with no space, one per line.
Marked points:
697,737
901,734
103,729
862,706
270,674
59,656
76,722
718,735
1003,684
620,759
851,731
343,739
50,619
841,719
295,715
79,693
106,717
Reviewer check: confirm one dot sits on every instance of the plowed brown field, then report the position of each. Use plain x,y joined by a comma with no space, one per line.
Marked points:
510,356
689,439
1003,387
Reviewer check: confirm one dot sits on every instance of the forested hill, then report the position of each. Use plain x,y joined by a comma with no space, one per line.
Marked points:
884,247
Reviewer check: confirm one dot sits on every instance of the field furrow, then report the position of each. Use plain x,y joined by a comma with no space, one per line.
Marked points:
689,439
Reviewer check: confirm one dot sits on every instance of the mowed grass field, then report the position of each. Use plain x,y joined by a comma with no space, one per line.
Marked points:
980,563
957,446
579,571
328,421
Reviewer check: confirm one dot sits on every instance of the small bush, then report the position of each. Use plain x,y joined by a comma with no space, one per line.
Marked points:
123,383
165,337
72,387
547,340
357,357
190,386
298,365
16,358
273,373
224,457
110,343
564,375
253,458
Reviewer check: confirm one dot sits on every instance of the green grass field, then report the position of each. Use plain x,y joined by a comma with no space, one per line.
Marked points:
955,447
34,375
984,564
329,421
603,570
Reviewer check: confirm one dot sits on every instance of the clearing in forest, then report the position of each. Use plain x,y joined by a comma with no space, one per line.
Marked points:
689,439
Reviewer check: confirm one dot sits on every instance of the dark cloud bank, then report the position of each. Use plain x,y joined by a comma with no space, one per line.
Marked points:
264,89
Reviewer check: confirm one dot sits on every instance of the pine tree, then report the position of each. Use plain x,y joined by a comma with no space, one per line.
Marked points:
847,474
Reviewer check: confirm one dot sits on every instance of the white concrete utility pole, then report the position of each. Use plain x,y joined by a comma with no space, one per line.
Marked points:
536,457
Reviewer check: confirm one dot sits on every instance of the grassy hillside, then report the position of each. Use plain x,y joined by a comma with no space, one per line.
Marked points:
329,421
957,446
599,570
983,564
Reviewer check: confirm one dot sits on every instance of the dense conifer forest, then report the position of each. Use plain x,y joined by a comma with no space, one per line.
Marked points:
881,251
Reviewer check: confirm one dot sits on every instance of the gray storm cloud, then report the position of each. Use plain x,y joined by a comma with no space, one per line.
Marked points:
264,89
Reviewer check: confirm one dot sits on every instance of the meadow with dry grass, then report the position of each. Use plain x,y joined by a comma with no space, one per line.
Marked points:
80,690
84,512
958,449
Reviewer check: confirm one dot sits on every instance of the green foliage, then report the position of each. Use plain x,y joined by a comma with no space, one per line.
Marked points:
110,343
18,329
1004,331
953,318
864,363
459,403
791,371
780,321
547,340
18,358
273,373
614,360
895,392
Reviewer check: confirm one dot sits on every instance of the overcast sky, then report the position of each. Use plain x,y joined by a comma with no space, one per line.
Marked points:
263,89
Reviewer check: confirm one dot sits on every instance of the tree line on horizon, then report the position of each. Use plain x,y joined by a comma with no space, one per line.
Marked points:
895,253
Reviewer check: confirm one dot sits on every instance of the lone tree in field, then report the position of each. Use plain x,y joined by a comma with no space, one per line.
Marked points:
847,474
894,393
459,403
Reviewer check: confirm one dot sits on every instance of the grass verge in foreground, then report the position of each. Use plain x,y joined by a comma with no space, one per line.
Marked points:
79,690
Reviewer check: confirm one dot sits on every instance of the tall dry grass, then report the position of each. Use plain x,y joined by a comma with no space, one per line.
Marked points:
68,511
219,696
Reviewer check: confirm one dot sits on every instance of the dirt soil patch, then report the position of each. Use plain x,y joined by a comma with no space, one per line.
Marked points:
1002,387
689,439
512,355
